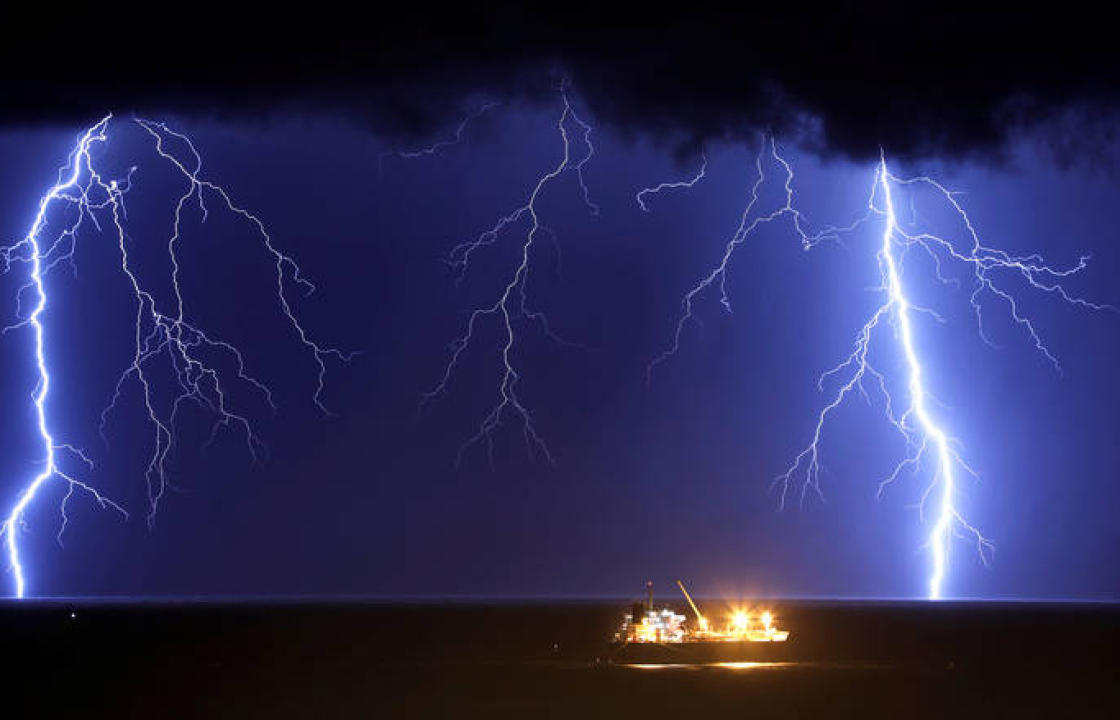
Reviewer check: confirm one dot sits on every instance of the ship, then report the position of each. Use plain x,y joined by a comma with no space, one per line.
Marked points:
648,636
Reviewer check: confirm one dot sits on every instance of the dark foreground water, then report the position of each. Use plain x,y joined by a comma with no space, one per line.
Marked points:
540,661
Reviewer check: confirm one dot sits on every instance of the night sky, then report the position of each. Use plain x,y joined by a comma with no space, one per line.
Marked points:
665,481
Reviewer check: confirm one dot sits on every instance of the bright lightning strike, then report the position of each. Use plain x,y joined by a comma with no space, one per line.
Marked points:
69,190
511,307
192,357
927,441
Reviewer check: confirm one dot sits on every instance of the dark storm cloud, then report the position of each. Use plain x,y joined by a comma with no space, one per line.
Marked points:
918,79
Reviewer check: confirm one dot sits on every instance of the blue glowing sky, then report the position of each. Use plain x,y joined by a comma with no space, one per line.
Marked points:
661,482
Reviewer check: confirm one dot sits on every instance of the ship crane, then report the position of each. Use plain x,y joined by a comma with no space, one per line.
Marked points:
703,621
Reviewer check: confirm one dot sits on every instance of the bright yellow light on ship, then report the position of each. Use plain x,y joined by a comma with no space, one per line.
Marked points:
739,621
767,621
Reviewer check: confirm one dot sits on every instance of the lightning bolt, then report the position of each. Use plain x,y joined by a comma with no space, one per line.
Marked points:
690,183
511,306
69,190
926,440
456,137
750,222
193,356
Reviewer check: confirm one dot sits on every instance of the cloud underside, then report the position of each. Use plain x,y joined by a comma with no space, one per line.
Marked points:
935,80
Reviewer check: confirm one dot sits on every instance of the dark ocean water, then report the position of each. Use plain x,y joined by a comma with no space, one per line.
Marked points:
545,660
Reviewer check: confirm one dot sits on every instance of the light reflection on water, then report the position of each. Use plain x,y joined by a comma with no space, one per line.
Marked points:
699,666
752,666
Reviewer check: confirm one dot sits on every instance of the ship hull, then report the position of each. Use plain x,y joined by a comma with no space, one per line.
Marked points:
699,652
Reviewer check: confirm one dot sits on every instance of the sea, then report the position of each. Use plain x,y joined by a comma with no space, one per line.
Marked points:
546,659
